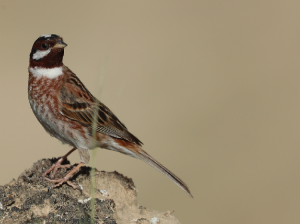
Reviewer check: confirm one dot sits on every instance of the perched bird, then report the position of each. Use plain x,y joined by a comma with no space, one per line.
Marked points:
70,113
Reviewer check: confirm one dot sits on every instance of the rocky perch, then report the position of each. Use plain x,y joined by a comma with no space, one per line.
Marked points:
29,199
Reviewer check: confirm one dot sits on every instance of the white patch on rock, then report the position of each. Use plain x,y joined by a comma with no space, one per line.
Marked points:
104,193
83,201
154,220
50,73
40,54
1,206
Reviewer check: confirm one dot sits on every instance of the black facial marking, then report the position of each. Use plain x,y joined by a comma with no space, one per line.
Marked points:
32,53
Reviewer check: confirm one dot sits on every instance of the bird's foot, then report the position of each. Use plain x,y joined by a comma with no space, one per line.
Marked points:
55,167
64,179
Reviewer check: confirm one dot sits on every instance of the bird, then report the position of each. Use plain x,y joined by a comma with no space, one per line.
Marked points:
69,112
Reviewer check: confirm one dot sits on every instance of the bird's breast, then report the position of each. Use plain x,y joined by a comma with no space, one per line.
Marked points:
43,95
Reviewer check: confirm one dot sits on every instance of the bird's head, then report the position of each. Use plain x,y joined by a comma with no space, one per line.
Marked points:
47,51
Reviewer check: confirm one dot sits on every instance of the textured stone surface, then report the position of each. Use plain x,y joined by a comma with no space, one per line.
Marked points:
29,199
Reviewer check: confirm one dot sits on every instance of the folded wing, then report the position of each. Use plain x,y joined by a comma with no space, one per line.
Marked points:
78,104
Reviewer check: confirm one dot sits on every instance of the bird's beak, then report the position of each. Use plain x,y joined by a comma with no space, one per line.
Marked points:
60,44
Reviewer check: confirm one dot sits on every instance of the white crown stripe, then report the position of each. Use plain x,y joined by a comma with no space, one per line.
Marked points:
46,35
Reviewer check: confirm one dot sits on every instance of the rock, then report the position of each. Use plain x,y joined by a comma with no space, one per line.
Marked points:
30,200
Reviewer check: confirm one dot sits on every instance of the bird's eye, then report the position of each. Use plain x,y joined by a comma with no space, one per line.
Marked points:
44,46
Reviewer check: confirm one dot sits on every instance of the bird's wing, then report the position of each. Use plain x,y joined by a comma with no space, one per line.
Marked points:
78,104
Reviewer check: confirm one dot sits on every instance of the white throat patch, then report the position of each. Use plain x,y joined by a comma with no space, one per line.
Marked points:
40,54
50,73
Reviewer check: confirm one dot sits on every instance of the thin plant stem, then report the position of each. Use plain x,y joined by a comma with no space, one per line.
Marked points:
93,163
94,134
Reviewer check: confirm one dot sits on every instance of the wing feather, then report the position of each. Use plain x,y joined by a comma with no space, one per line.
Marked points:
78,104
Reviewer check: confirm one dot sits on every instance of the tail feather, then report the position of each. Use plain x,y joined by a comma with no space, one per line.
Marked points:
136,151
152,162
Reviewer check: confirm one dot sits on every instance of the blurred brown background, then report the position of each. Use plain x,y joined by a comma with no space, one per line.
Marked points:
210,87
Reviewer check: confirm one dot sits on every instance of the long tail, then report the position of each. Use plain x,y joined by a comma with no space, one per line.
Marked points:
132,149
152,162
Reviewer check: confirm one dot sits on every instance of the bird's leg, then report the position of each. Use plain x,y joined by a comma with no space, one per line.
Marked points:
66,178
57,165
